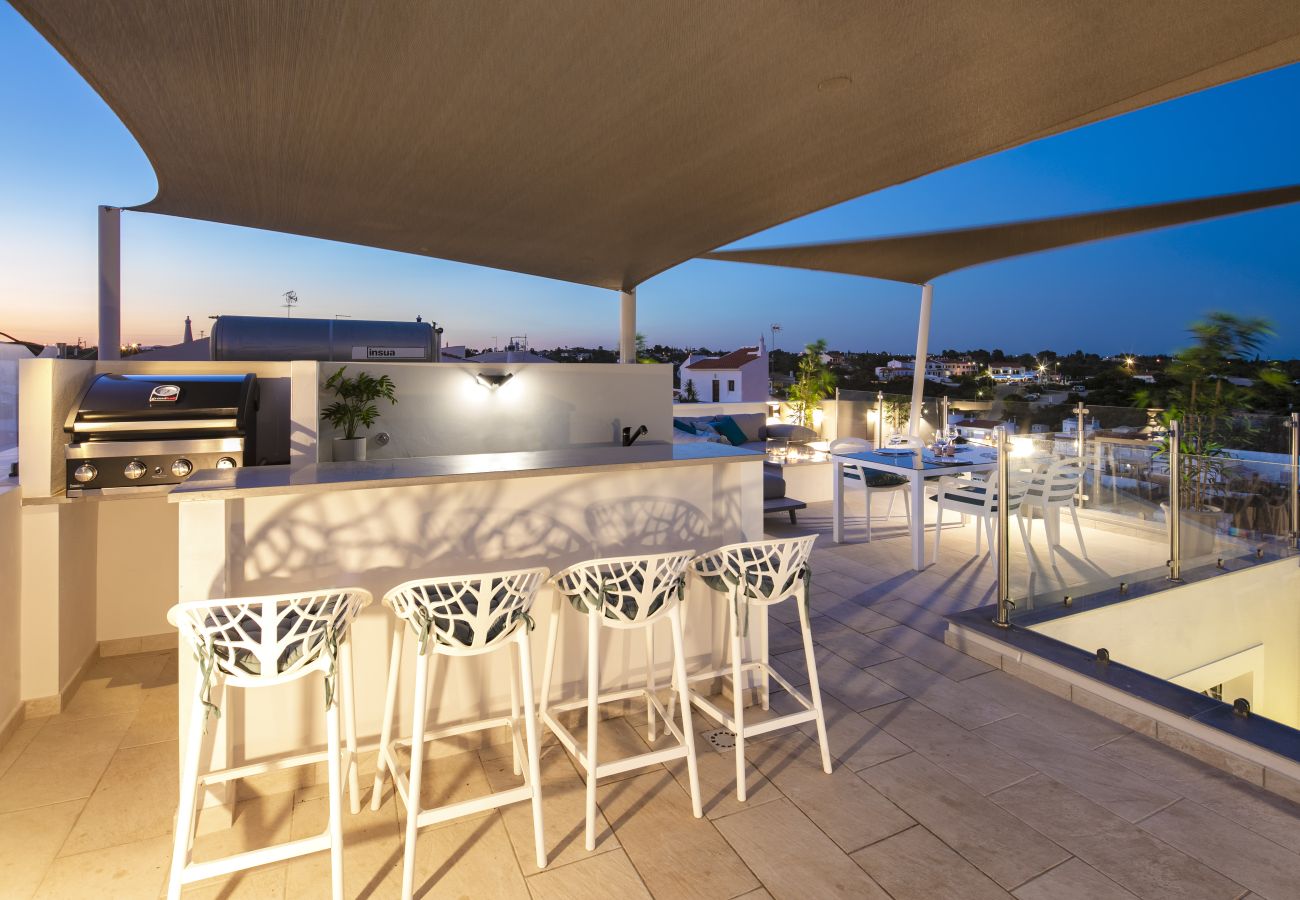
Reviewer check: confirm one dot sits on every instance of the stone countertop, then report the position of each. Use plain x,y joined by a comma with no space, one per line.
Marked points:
233,484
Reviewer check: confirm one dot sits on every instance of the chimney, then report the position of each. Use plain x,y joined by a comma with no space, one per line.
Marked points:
189,333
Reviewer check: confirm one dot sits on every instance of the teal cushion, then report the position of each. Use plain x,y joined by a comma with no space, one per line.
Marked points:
683,425
875,478
727,427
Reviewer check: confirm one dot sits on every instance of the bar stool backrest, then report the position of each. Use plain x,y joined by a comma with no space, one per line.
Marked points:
260,641
464,615
629,591
764,572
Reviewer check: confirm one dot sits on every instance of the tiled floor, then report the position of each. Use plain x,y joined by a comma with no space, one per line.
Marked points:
952,779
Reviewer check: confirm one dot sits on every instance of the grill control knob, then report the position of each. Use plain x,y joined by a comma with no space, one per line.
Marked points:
226,462
85,472
135,469
182,467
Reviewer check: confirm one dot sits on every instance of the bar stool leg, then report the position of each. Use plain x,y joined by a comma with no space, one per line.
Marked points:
688,729
334,767
765,682
593,719
548,663
814,686
512,652
738,703
390,708
650,680
349,700
189,782
534,750
424,662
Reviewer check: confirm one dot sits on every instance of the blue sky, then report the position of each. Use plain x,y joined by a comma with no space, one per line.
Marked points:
63,153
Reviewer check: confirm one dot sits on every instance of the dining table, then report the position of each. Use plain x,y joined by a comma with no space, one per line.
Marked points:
916,465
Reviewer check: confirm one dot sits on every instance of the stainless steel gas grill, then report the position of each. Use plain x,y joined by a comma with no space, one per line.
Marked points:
134,431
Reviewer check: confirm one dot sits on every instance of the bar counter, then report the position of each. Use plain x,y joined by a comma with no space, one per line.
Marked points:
375,524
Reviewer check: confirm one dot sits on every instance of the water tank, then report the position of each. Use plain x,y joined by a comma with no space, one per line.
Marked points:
252,338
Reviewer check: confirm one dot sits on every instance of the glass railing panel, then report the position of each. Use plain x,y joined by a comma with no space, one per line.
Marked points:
8,406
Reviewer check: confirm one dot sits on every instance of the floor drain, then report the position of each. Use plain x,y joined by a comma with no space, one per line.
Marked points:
721,740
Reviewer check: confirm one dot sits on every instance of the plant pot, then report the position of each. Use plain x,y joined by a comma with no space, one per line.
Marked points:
1197,530
349,449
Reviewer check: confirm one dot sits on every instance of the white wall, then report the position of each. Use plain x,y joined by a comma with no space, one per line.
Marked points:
443,410
10,600
136,575
1191,626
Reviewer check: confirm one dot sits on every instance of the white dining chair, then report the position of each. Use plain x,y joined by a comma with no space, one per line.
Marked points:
872,480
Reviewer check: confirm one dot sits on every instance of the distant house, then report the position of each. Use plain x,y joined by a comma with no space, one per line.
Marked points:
981,429
1010,374
739,376
937,368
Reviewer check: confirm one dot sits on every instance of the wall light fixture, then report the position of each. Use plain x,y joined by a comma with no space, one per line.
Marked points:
492,382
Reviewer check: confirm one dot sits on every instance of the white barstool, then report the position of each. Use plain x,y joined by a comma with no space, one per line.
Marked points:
461,616
760,574
623,593
258,642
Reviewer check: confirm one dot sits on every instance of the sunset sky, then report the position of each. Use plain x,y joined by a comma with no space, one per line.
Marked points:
64,152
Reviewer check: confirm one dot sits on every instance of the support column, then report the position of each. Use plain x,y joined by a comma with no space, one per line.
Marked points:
110,282
627,327
918,370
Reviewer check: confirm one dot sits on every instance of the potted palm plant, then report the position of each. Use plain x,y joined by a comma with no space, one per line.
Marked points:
814,382
355,407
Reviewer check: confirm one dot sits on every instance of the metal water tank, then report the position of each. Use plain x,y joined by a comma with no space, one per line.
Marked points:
251,338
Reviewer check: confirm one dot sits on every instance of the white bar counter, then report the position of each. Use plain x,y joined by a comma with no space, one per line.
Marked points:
375,524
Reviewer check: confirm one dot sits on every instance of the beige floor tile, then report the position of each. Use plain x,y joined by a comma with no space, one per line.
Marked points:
1119,850
931,653
155,719
135,799
599,877
854,646
1118,789
757,894
717,774
618,739
676,854
1246,804
29,841
467,858
855,741
999,844
1242,855
953,700
256,884
115,685
258,823
448,779
564,812
18,741
62,762
1061,717
851,812
909,614
135,870
861,619
372,855
856,688
791,855
916,865
962,753
1073,879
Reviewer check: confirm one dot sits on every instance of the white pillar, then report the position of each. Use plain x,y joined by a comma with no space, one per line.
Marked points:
627,327
922,350
110,282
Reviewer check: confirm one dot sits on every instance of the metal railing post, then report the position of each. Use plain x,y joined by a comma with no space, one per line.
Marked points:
1175,502
1003,619
880,416
1079,412
1295,480
943,417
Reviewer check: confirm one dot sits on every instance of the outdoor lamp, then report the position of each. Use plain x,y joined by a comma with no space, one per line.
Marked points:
492,382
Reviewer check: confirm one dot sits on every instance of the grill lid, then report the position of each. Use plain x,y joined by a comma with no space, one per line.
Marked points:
114,406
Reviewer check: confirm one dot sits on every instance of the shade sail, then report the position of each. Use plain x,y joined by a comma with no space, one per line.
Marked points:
602,143
918,258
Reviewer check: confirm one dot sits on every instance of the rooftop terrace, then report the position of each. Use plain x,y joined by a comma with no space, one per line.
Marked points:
952,779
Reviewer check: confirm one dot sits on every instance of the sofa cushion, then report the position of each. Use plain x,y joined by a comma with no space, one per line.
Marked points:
685,425
727,427
773,485
795,434
753,424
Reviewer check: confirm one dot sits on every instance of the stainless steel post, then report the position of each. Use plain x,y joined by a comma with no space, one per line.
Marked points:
1079,412
880,416
943,416
1295,480
1003,619
1175,502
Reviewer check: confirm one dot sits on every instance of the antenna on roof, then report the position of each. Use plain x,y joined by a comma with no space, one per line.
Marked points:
776,329
290,301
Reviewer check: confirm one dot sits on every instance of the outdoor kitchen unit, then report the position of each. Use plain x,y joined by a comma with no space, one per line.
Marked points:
131,432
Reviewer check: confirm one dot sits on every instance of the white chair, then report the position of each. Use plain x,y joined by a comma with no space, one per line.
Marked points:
633,592
461,616
980,499
259,642
872,480
1047,494
760,574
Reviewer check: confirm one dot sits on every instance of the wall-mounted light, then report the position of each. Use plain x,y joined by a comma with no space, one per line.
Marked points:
492,382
